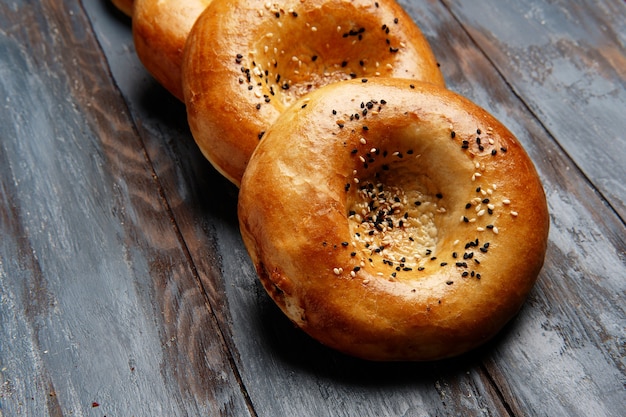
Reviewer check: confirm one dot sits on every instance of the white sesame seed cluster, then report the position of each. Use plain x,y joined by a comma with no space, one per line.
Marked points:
394,225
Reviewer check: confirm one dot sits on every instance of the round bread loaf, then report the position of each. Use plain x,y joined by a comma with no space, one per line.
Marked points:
160,29
393,220
246,62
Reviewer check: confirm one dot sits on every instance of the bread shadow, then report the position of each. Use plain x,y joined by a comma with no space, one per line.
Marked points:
202,188
292,348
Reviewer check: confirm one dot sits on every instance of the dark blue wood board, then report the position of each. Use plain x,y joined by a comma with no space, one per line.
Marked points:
124,285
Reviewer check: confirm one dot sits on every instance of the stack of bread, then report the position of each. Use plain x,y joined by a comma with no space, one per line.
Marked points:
387,216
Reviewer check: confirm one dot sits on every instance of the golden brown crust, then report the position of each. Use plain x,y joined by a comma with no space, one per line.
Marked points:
160,29
246,62
394,220
125,6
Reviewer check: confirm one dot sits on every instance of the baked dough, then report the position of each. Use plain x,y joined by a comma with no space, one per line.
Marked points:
393,220
125,6
160,29
246,62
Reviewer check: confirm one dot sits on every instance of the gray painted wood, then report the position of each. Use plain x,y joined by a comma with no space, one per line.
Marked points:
125,288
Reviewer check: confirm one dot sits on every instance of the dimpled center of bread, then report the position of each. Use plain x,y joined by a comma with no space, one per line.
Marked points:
394,219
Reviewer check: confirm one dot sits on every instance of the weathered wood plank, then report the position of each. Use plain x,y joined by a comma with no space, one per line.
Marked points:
567,62
100,306
124,281
270,352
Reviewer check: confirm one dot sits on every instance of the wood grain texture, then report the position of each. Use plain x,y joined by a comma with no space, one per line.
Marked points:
566,60
124,281
99,303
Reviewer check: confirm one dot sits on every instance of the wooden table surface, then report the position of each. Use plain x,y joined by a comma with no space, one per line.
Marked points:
125,289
